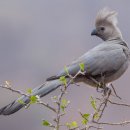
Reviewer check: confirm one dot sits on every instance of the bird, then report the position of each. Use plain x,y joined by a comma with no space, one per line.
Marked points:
109,59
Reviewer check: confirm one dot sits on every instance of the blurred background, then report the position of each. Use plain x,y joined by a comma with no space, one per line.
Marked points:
37,39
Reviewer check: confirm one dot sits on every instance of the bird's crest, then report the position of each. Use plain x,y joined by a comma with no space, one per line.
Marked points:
105,15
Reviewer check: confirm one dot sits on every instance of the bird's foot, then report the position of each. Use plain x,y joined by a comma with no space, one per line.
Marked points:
106,91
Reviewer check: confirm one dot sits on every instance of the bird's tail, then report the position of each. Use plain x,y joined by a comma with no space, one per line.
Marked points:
41,91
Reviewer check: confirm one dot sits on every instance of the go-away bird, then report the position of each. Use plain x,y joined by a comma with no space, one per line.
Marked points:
109,60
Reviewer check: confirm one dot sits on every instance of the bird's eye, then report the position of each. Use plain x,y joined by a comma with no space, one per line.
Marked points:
102,28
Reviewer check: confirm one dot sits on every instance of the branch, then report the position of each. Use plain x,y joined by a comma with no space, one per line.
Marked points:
63,91
14,90
108,123
8,87
119,104
98,111
47,105
58,102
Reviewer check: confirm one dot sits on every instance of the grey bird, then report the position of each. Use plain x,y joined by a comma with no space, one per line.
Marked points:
109,59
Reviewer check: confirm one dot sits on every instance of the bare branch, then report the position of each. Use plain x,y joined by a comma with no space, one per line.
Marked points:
14,90
115,91
108,123
119,104
47,105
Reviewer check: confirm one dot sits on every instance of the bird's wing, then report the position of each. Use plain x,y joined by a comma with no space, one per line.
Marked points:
103,59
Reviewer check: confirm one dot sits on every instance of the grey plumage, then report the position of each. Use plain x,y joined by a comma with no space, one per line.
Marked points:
109,59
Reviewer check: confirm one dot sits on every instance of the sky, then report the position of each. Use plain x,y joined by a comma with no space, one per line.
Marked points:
37,39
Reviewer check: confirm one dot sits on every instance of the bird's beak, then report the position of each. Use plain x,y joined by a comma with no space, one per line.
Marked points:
94,32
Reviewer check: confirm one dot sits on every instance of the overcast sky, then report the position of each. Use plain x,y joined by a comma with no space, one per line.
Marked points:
40,37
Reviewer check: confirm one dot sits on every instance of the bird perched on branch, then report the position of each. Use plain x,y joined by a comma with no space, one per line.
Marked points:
109,60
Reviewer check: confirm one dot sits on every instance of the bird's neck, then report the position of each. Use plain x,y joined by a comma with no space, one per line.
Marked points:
116,34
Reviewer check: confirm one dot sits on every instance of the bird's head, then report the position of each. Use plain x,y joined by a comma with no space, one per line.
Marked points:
106,25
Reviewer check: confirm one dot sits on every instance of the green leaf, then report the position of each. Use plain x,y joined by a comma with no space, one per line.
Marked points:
63,80
72,125
21,102
29,90
68,125
45,123
82,66
64,104
66,70
54,97
84,122
86,115
96,115
93,103
33,99
85,118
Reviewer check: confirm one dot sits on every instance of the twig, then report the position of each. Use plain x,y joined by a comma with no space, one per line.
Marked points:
91,126
59,105
115,91
105,104
57,120
108,123
47,105
24,94
120,104
13,90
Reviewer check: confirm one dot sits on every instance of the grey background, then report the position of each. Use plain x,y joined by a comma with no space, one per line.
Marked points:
40,37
